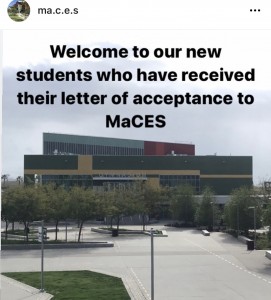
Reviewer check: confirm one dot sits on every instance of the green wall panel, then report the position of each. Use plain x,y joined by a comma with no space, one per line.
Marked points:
219,165
224,186
51,162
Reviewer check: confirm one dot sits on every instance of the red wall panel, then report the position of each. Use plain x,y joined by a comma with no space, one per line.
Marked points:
160,148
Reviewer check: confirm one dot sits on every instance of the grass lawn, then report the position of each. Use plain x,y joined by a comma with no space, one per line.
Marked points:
73,285
16,18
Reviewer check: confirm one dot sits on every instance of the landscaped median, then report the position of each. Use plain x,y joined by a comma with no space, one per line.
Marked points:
54,245
107,230
157,233
268,254
71,285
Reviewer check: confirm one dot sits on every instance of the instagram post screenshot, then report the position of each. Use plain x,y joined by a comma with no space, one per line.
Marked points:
135,150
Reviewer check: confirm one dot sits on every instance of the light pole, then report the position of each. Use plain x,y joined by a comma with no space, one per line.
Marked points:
237,218
213,215
42,256
41,237
152,266
254,219
237,212
267,187
66,232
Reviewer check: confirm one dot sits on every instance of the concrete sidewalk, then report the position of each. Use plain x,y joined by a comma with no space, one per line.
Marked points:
188,265
14,290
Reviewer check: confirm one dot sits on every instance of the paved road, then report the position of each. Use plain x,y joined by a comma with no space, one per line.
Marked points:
188,265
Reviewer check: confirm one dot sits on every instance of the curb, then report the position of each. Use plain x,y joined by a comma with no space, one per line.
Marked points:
57,246
104,231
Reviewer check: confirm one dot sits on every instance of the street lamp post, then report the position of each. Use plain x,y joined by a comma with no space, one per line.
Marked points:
41,237
152,266
267,187
237,211
213,215
254,220
42,257
66,232
237,219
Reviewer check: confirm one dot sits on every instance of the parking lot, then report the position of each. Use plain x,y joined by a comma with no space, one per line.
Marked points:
187,265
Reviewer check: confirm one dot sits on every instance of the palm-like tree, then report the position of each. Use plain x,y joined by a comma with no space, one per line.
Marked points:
4,177
19,179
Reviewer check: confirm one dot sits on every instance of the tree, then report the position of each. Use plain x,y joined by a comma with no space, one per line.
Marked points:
183,204
9,210
206,213
148,200
121,201
267,219
25,203
29,207
55,204
4,177
19,179
84,204
237,211
109,204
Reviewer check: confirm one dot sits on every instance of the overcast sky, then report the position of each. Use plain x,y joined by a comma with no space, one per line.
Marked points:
222,130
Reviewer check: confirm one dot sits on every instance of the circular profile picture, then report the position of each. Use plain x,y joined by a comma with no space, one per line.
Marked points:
18,10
